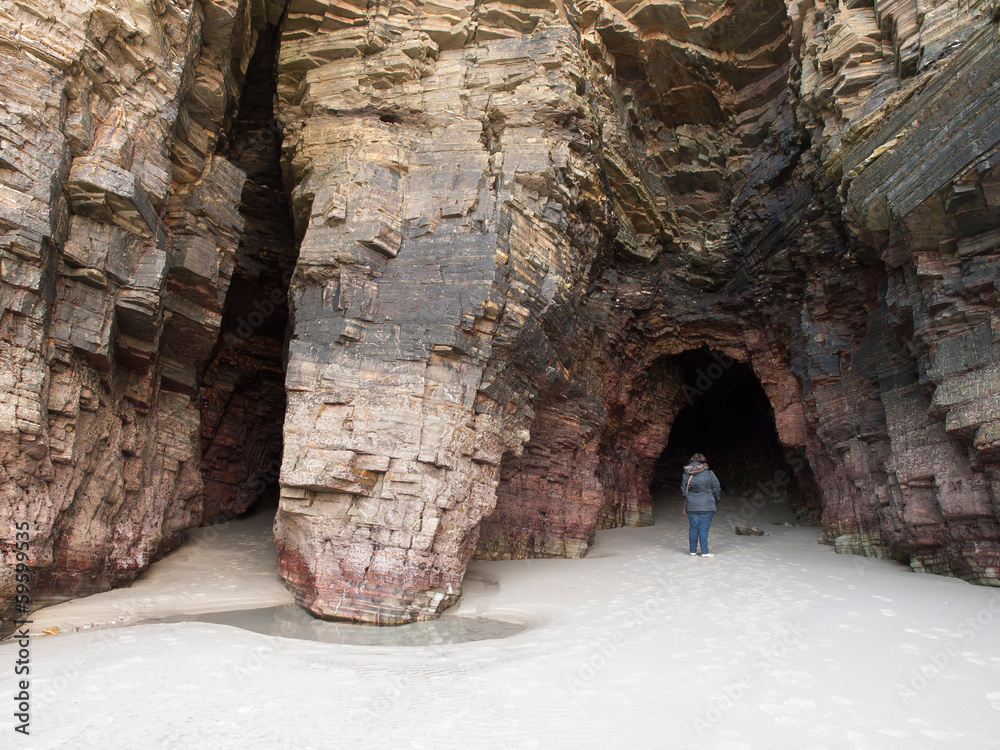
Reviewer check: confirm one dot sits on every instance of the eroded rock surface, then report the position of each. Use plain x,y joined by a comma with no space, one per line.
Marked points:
120,227
512,225
515,219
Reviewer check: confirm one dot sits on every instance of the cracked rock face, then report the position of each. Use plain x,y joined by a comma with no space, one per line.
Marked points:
456,264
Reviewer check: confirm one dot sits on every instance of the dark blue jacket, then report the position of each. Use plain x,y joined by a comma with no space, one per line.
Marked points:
703,491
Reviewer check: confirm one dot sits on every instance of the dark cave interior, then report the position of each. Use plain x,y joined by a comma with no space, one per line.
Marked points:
243,387
728,418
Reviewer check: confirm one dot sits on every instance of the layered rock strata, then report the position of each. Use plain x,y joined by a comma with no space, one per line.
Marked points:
424,278
702,172
120,228
511,232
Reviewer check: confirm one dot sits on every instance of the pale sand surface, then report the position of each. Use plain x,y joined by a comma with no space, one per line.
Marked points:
224,567
776,643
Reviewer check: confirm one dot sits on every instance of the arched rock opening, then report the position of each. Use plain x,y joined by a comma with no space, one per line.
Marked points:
726,415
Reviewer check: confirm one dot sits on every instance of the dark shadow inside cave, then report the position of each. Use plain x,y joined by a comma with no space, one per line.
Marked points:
728,418
243,386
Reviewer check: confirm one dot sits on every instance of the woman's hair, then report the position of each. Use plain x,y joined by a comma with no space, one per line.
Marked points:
697,458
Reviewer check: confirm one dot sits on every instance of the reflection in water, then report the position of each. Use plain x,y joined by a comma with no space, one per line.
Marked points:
292,621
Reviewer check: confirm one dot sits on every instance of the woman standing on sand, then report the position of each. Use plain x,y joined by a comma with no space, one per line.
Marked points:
701,492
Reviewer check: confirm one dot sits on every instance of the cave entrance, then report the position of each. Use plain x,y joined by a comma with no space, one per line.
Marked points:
727,417
243,386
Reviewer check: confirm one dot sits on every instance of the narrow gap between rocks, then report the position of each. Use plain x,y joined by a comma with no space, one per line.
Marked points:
243,387
728,418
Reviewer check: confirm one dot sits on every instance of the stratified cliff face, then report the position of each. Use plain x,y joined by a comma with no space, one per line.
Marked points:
521,239
122,235
516,220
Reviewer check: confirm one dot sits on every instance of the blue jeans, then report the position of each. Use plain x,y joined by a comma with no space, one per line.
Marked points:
700,521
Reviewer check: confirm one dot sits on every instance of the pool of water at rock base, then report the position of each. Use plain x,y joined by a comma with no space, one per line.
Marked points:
292,621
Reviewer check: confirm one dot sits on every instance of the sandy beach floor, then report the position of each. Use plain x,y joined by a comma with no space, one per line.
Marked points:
777,642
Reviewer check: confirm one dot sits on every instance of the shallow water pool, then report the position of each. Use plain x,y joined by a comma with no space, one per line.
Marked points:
292,621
